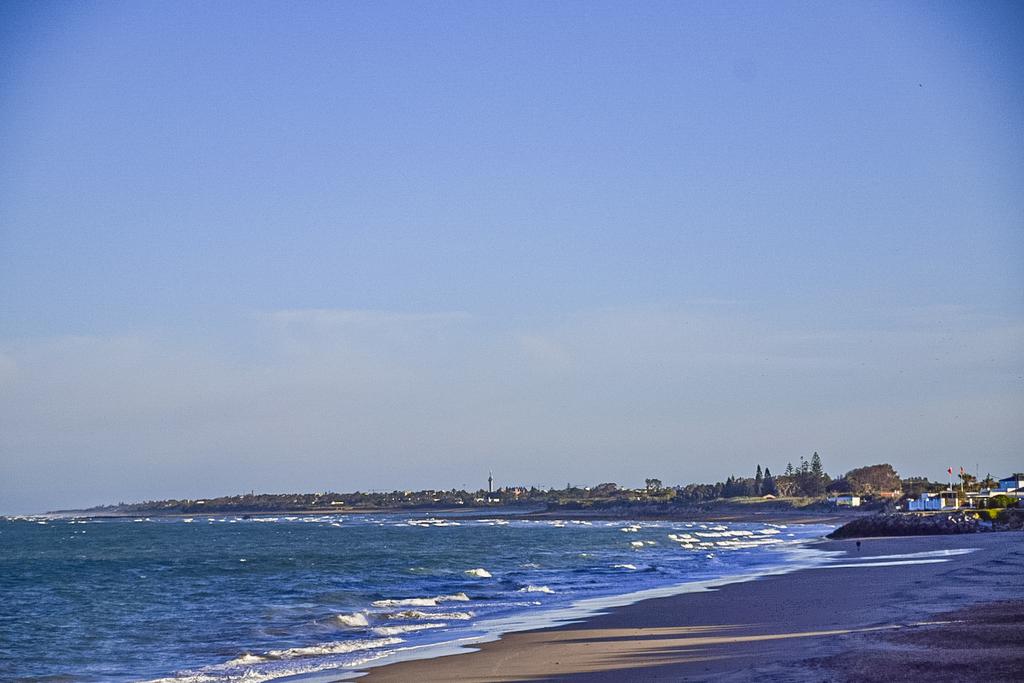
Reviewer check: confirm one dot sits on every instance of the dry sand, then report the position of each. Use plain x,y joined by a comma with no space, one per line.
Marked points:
955,620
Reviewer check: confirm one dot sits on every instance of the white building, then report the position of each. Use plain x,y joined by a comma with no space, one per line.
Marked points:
944,500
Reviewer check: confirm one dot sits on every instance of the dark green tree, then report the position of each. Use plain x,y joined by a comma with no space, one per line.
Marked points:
769,483
758,481
816,468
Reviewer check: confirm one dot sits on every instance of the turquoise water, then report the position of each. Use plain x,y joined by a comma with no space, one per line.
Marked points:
213,599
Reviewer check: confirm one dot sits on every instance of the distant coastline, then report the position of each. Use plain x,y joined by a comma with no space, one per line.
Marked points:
792,511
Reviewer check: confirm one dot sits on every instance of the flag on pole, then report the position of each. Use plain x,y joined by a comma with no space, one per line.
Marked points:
950,470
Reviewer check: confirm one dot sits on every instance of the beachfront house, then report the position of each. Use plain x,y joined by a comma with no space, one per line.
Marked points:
943,500
845,500
1011,486
1012,483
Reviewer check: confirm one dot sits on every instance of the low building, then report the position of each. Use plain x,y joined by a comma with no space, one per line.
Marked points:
944,500
845,500
1011,486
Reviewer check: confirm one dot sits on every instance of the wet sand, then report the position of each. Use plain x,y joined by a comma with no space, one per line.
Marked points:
869,615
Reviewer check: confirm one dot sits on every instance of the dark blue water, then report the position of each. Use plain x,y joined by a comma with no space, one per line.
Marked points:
214,599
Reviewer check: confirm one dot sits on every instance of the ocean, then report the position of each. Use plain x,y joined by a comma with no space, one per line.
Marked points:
216,598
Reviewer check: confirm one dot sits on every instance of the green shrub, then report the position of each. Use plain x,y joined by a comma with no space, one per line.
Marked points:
1000,501
988,514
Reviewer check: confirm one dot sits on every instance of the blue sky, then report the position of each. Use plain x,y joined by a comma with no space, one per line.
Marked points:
379,245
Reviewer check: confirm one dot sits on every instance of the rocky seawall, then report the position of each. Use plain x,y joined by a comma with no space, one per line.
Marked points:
903,524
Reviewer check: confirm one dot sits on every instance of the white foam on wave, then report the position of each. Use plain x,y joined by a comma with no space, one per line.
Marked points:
479,573
637,544
417,614
536,589
245,660
406,602
431,521
624,566
355,620
421,602
336,648
406,628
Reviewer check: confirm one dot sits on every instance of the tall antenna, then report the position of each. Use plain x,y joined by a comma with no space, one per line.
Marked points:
490,482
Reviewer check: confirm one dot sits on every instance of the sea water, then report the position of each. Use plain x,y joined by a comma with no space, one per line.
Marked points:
216,598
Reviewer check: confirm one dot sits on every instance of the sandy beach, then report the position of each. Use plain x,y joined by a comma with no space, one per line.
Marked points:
912,608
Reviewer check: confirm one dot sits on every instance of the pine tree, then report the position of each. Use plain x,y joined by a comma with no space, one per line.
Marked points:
758,481
789,469
816,468
769,483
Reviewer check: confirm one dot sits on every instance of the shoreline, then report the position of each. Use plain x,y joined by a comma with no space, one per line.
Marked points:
797,625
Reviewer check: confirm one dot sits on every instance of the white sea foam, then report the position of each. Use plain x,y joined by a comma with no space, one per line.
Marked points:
417,614
432,522
455,597
406,602
355,620
536,589
406,628
421,602
637,544
479,573
336,648
624,566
